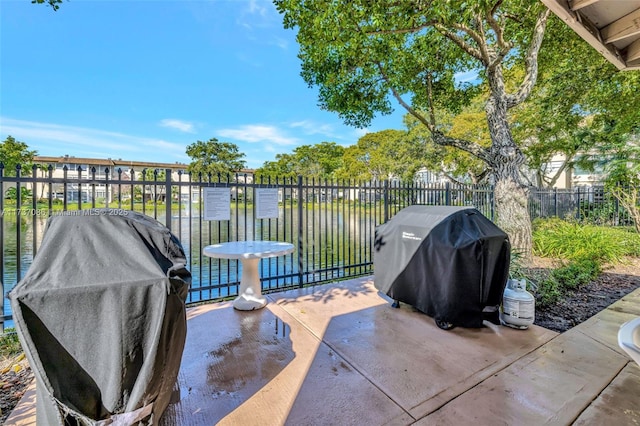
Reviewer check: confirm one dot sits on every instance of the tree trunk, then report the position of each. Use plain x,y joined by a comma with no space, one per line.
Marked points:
511,195
512,214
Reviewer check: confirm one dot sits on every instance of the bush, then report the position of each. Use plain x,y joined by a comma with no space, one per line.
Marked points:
9,343
548,291
582,249
576,274
574,242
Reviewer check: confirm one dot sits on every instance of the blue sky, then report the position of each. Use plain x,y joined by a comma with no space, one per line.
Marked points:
140,80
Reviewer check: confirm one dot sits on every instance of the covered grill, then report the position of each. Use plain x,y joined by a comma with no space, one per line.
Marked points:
101,316
451,263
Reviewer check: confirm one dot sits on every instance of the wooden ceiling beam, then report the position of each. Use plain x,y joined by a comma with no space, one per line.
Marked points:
579,4
561,9
633,52
627,26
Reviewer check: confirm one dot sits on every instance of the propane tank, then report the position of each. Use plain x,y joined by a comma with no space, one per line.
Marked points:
518,305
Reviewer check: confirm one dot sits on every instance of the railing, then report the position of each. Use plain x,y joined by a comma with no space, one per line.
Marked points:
332,224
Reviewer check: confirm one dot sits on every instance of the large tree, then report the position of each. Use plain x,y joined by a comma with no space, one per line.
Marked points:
575,108
13,153
382,155
362,54
319,161
213,158
457,165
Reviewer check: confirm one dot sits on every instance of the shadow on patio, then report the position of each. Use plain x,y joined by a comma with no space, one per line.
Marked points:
339,354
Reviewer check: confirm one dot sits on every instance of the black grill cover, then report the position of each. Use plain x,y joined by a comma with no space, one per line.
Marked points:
449,262
101,316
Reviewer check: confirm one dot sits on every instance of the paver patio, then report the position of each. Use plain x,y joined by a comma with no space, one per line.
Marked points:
339,354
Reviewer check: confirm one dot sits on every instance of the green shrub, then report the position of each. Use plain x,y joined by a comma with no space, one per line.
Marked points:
576,274
548,291
582,249
549,287
574,242
9,343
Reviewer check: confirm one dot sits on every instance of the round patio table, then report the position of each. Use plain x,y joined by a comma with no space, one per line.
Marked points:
249,253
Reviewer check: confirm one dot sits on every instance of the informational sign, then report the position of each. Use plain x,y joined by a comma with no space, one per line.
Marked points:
217,203
266,203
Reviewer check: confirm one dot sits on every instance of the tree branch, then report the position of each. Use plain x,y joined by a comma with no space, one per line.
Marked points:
503,46
474,52
401,30
531,62
437,136
467,146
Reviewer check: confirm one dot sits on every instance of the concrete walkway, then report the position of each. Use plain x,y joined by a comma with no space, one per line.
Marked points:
338,354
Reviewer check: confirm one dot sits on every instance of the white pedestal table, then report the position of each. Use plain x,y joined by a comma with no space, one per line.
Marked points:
249,253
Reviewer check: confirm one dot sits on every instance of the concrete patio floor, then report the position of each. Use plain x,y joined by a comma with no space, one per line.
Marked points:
338,354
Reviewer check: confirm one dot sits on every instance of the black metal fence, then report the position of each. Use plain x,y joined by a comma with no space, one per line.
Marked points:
332,224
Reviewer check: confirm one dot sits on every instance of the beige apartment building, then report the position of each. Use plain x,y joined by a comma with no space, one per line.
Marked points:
118,170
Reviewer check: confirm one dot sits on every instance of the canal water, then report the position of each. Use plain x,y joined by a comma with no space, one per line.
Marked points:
332,241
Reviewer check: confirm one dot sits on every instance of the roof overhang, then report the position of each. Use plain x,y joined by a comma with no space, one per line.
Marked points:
612,27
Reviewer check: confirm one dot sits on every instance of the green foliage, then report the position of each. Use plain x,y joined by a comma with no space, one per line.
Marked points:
383,155
552,287
548,291
361,52
560,239
53,3
9,343
623,174
517,268
214,157
12,194
583,249
14,153
577,273
601,213
319,161
470,124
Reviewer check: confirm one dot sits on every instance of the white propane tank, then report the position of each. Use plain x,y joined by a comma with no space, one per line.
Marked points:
518,305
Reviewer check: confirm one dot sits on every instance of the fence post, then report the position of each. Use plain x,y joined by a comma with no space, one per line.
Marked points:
385,198
300,233
555,202
492,202
18,227
578,205
447,194
167,197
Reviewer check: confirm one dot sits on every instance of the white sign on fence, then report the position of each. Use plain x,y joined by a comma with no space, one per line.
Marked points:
266,203
217,203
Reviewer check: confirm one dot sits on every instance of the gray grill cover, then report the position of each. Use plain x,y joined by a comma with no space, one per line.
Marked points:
101,316
448,262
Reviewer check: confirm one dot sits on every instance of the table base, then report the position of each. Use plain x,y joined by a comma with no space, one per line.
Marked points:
246,302
250,297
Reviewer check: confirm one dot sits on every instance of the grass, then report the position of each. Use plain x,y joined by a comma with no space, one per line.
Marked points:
582,251
571,241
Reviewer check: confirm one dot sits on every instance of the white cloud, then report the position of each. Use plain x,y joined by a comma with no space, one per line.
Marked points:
55,139
466,77
253,133
361,132
279,42
310,127
183,126
259,18
257,7
248,60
